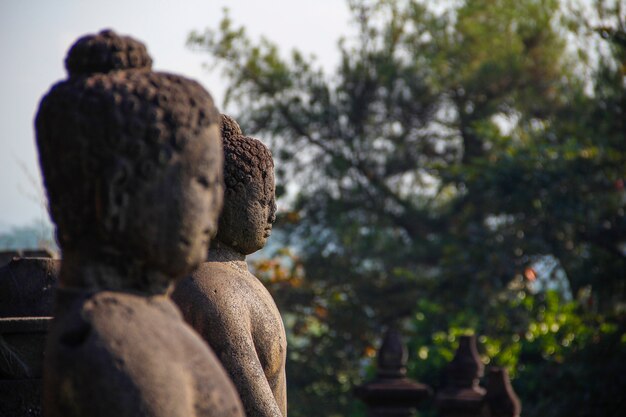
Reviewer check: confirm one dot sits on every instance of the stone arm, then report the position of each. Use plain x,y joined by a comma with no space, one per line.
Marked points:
239,357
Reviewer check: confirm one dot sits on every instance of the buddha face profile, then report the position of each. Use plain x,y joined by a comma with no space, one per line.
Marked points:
249,201
132,162
166,221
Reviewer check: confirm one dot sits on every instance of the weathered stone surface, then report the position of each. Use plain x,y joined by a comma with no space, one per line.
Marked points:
106,51
21,346
20,398
229,127
222,300
132,164
7,256
27,287
120,354
21,356
37,253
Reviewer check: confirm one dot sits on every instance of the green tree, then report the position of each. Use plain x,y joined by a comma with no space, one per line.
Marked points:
451,156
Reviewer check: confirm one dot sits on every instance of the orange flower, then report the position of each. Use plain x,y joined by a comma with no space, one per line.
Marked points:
530,274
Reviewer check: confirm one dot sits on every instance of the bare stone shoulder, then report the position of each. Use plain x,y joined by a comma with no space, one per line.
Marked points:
112,328
214,292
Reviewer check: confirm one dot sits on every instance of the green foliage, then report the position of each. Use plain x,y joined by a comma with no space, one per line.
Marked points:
455,156
552,348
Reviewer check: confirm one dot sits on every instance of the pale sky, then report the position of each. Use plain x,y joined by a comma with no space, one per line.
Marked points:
36,34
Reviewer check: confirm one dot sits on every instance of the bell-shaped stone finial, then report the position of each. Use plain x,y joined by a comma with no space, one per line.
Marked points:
466,368
501,398
392,393
392,356
461,396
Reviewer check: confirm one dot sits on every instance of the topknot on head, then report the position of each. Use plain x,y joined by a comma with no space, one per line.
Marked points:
104,52
229,127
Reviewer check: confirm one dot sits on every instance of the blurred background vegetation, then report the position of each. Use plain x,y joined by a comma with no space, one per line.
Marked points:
462,171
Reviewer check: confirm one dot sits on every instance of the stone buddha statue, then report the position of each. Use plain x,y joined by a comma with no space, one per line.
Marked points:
132,165
222,300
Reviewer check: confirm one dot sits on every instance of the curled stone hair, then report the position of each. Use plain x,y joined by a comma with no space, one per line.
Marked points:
104,52
229,127
113,121
245,159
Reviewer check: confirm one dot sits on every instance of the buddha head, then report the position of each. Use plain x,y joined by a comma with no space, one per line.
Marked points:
131,161
249,199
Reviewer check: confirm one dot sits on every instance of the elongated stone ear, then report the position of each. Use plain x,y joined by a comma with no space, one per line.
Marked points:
113,198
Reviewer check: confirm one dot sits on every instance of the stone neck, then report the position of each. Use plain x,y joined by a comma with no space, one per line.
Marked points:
102,272
221,252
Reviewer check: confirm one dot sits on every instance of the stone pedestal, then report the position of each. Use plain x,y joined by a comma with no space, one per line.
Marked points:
27,287
7,256
22,342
